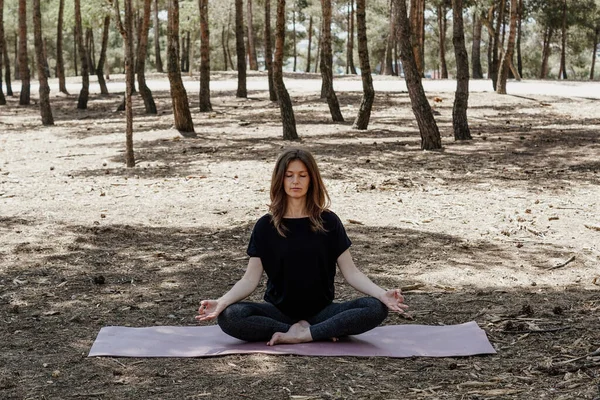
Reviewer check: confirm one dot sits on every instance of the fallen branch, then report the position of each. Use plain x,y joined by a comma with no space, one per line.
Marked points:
549,330
594,353
562,264
592,227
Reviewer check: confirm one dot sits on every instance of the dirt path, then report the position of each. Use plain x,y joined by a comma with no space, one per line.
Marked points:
478,225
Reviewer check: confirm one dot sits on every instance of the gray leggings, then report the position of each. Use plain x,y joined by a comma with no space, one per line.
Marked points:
255,322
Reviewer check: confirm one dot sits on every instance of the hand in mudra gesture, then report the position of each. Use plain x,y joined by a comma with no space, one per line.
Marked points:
394,300
209,310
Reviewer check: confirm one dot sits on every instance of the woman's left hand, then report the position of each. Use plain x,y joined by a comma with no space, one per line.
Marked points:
394,300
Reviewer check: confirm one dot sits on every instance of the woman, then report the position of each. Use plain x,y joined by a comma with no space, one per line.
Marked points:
298,246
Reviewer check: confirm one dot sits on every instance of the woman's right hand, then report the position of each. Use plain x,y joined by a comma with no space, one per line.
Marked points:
209,310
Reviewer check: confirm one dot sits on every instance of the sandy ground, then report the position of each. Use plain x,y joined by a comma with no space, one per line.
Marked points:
479,230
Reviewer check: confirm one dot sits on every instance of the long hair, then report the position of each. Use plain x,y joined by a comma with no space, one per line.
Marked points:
317,198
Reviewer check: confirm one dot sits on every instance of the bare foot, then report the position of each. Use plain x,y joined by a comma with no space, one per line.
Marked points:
298,333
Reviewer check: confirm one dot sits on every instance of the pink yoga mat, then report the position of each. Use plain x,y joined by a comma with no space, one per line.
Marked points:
207,341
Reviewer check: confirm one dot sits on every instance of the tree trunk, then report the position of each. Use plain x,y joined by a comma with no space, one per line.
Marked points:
102,58
364,112
476,49
181,107
89,45
2,46
7,77
227,38
205,105
60,62
596,39
45,109
496,43
460,123
253,60
129,66
23,60
350,50
157,57
327,64
268,51
310,34
388,67
317,61
430,134
224,47
240,49
85,77
140,66
546,49
417,26
294,40
442,26
510,49
285,103
519,57
563,49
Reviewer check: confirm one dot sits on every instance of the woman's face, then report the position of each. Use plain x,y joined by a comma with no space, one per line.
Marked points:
297,180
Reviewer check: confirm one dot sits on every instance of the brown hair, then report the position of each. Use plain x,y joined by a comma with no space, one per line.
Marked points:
317,198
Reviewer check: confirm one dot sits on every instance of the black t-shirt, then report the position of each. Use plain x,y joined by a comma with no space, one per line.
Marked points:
301,266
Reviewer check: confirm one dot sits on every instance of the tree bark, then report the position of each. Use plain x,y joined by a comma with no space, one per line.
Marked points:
310,35
510,49
85,75
327,64
2,46
476,49
157,57
285,103
317,61
519,57
7,77
460,123
364,112
240,49
45,109
563,47
388,67
227,39
181,108
430,134
442,26
102,58
268,51
417,26
140,65
253,60
205,105
60,62
24,74
496,43
596,39
129,66
294,40
350,49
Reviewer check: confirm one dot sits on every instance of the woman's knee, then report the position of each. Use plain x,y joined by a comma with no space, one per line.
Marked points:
377,309
229,318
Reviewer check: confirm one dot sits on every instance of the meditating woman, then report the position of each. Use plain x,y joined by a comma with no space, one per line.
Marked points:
298,245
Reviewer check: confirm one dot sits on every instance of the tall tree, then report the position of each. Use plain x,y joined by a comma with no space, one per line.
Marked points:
102,58
546,49
60,63
519,34
476,47
140,65
310,35
85,75
430,134
563,48
127,33
23,59
157,57
268,51
45,109
364,112
595,50
510,48
285,103
181,107
205,105
327,63
253,60
350,68
240,49
2,98
496,44
388,67
460,123
442,27
417,27
9,91
295,54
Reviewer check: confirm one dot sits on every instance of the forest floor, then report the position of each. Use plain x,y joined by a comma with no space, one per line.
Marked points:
481,230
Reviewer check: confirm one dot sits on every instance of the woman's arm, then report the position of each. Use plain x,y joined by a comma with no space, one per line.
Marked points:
393,298
210,309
